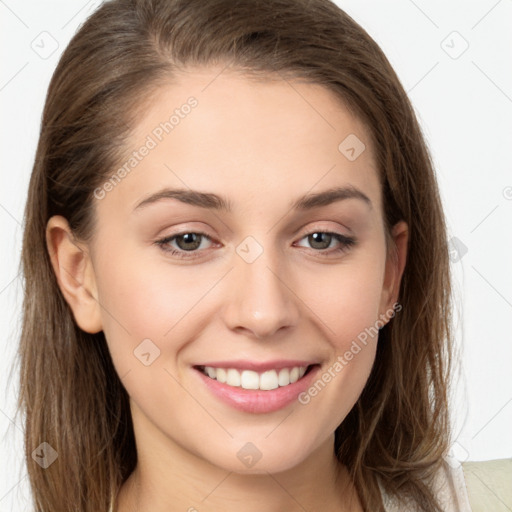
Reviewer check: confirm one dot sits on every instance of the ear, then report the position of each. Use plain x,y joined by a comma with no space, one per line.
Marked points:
395,265
75,275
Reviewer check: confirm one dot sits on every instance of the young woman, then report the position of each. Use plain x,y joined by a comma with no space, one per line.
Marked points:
237,289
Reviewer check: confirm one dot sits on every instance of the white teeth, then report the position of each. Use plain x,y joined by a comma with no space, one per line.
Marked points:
284,377
268,380
221,375
248,379
233,377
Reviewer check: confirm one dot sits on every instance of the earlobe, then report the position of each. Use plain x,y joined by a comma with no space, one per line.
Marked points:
75,274
395,265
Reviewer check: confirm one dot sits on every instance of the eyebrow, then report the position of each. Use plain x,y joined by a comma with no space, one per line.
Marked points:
220,203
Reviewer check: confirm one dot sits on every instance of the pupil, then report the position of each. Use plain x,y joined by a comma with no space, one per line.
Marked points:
190,238
315,239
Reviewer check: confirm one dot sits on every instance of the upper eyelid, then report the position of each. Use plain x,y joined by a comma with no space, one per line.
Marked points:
313,229
212,239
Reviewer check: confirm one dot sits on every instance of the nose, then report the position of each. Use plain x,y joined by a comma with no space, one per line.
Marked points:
261,299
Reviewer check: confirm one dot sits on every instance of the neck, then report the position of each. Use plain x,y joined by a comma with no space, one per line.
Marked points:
168,477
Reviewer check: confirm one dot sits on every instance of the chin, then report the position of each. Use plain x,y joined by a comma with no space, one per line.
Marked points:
261,457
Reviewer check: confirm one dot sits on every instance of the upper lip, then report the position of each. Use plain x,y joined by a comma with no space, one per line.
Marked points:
257,366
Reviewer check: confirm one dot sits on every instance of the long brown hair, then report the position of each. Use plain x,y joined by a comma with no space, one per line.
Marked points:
73,399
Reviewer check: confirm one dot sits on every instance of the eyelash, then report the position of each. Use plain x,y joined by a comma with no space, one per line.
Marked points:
346,243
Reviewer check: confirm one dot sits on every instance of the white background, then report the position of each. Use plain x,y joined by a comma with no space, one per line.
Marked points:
464,103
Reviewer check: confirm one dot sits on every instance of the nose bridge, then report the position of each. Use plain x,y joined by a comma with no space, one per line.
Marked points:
261,300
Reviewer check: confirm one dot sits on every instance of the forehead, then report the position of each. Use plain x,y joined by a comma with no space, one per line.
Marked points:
270,140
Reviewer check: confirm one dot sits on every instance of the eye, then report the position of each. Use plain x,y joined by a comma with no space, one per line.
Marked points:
186,242
322,240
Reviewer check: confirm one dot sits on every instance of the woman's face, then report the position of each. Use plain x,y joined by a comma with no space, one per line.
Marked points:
234,274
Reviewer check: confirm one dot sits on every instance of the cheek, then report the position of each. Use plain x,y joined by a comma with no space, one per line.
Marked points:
141,303
337,388
149,313
349,316
347,300
151,306
347,303
146,299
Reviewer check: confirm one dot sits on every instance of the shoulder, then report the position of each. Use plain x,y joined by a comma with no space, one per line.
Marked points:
489,484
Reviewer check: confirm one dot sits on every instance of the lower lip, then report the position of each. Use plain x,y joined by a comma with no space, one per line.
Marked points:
258,401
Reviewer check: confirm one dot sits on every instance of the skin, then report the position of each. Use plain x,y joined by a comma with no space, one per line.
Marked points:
261,145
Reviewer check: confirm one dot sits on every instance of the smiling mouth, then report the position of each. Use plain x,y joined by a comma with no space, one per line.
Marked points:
249,379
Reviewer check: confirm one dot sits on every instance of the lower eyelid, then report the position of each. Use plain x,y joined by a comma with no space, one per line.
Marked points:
168,239
341,238
344,242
